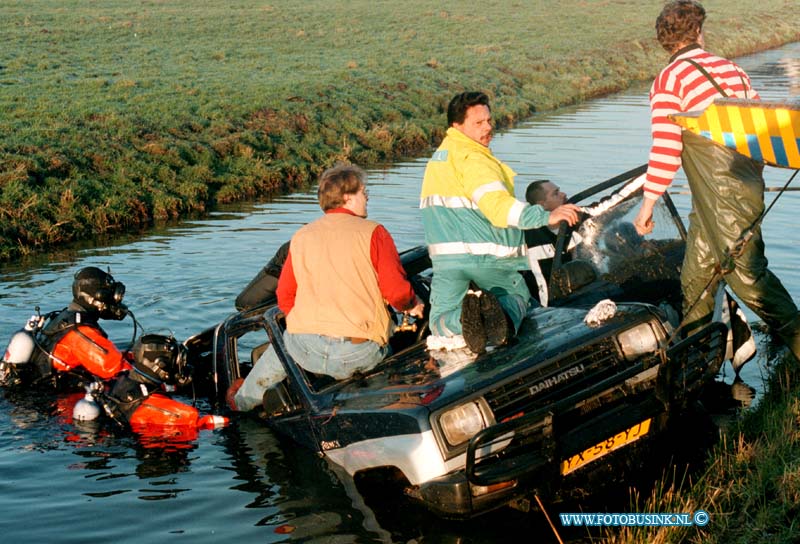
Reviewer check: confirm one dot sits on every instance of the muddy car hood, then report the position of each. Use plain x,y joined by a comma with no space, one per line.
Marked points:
413,378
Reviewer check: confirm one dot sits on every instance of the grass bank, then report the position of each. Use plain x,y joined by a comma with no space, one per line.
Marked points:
751,485
120,113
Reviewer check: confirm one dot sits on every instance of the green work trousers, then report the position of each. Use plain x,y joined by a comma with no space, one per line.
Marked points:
449,286
727,197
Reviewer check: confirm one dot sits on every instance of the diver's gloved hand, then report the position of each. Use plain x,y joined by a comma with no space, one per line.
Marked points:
418,310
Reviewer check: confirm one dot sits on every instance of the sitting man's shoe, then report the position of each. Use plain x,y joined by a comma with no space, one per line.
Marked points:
495,323
472,322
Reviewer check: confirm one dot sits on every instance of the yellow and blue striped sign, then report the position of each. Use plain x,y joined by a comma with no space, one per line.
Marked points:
764,131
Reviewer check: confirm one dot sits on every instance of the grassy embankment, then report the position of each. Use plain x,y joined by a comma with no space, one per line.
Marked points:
751,484
117,114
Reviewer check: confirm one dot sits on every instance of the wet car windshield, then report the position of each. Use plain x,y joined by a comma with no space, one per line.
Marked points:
608,241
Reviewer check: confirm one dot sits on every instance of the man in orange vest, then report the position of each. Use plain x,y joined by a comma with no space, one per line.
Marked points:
340,273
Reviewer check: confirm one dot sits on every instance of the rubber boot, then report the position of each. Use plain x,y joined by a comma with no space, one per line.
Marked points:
790,334
472,322
495,322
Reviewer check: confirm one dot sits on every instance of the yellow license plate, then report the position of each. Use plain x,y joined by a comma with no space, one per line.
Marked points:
615,442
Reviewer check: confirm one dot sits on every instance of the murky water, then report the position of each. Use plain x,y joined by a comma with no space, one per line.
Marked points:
60,483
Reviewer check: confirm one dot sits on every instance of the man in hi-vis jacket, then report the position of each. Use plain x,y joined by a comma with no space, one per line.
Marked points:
473,228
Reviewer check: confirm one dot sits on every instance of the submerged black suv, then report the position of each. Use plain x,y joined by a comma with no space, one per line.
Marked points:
469,434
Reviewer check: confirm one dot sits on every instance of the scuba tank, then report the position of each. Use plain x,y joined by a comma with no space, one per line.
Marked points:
88,409
20,350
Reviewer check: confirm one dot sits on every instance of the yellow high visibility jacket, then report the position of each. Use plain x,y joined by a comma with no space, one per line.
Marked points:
469,212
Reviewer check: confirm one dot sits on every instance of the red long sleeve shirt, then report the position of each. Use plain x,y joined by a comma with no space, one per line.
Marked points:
681,87
392,281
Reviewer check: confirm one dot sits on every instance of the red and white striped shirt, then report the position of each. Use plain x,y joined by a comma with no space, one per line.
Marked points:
681,87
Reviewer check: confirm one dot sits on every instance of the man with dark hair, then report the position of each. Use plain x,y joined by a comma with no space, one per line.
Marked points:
340,272
546,194
458,106
727,187
541,241
473,228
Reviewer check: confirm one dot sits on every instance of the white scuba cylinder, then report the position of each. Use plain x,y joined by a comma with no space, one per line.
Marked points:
86,409
22,344
20,348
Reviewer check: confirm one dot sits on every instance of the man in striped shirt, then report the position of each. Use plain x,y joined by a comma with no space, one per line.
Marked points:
727,188
473,228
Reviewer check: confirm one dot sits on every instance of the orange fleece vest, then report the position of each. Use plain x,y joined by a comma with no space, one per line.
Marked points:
337,285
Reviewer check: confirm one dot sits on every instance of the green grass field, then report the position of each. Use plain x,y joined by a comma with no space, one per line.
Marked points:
117,114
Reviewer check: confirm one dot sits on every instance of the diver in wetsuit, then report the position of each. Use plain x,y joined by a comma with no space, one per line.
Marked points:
72,347
72,351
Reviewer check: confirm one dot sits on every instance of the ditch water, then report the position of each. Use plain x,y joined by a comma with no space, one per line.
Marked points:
61,483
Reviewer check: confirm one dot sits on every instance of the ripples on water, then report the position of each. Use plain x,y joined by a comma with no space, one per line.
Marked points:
64,484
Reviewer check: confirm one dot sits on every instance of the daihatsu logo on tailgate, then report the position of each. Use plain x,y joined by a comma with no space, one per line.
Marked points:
547,383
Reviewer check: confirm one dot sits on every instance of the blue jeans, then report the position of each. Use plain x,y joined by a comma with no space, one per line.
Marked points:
448,288
315,353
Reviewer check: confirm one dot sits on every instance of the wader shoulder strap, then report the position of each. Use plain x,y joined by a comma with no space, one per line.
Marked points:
713,81
708,76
